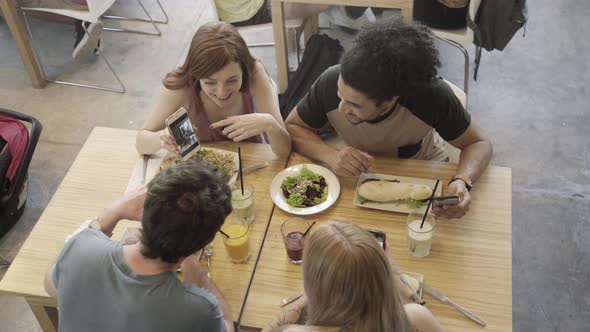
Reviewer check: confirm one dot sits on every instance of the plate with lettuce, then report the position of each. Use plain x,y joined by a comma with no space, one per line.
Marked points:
305,189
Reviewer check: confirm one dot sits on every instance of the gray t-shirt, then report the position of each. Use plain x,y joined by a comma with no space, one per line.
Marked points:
98,292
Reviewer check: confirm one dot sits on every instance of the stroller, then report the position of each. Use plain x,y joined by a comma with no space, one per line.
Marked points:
16,151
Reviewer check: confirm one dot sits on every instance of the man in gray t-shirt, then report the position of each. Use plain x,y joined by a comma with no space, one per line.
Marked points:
102,285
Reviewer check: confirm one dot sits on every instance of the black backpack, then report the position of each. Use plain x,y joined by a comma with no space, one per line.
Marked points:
321,52
13,194
496,22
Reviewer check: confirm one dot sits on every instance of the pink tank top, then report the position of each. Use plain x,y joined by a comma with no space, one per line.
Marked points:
207,134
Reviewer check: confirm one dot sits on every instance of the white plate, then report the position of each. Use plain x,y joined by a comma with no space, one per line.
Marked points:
232,179
277,194
394,207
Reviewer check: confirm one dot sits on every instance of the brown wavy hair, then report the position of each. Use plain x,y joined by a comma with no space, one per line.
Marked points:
348,281
214,46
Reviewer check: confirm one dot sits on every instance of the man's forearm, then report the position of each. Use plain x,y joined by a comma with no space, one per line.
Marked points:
280,142
197,276
108,220
475,159
309,144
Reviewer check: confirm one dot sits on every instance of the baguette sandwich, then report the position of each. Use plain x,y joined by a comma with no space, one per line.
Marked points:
380,191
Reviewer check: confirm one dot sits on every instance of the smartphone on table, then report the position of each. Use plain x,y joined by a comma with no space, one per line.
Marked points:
445,200
180,126
379,236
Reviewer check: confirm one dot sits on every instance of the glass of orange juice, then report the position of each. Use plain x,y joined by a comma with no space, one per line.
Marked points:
237,241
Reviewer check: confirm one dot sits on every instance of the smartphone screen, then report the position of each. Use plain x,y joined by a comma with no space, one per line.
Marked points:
379,236
184,134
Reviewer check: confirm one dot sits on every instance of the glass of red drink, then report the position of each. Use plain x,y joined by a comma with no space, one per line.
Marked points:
292,231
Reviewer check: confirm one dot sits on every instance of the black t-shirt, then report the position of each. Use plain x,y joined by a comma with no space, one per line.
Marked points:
437,106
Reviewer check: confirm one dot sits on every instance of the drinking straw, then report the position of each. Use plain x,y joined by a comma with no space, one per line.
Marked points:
224,233
429,203
240,170
308,229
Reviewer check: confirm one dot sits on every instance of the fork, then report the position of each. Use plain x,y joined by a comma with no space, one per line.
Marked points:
208,252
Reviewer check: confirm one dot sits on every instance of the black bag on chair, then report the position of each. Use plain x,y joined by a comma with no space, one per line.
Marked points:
321,52
438,16
14,164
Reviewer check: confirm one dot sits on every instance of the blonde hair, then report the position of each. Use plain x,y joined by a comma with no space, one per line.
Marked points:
349,281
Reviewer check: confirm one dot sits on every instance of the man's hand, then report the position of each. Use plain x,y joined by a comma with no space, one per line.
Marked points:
351,162
458,188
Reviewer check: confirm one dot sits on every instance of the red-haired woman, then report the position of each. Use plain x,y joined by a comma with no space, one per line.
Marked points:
228,95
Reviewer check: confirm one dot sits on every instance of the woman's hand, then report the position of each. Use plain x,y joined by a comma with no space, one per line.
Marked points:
241,127
167,142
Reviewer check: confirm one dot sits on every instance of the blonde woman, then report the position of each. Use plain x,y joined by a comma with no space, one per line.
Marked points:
351,285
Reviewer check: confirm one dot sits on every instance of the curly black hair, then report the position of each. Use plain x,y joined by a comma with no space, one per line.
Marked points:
390,58
185,207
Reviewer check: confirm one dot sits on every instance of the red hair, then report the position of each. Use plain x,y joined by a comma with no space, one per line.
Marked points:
214,46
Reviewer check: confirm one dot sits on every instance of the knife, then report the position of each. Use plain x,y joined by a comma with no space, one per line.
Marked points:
144,166
445,299
291,298
253,167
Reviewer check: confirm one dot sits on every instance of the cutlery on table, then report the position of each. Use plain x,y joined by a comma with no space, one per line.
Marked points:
208,252
291,298
252,168
445,299
144,166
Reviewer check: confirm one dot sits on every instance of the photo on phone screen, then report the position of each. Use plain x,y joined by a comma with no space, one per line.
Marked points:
379,236
184,134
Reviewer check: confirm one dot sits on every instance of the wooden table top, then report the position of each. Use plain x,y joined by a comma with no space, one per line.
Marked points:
91,184
470,261
88,187
233,280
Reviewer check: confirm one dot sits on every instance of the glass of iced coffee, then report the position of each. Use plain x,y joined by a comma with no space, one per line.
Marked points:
243,204
292,231
420,239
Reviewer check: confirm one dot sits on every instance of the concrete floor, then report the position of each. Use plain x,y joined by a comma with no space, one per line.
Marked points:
531,98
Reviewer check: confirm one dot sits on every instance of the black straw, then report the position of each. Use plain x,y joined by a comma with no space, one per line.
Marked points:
308,229
224,233
240,169
429,203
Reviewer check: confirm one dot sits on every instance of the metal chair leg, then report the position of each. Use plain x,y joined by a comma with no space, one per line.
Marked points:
82,85
149,20
477,62
165,21
466,70
297,46
261,45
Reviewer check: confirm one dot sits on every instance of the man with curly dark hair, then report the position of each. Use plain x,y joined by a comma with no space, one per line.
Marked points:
102,285
385,98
